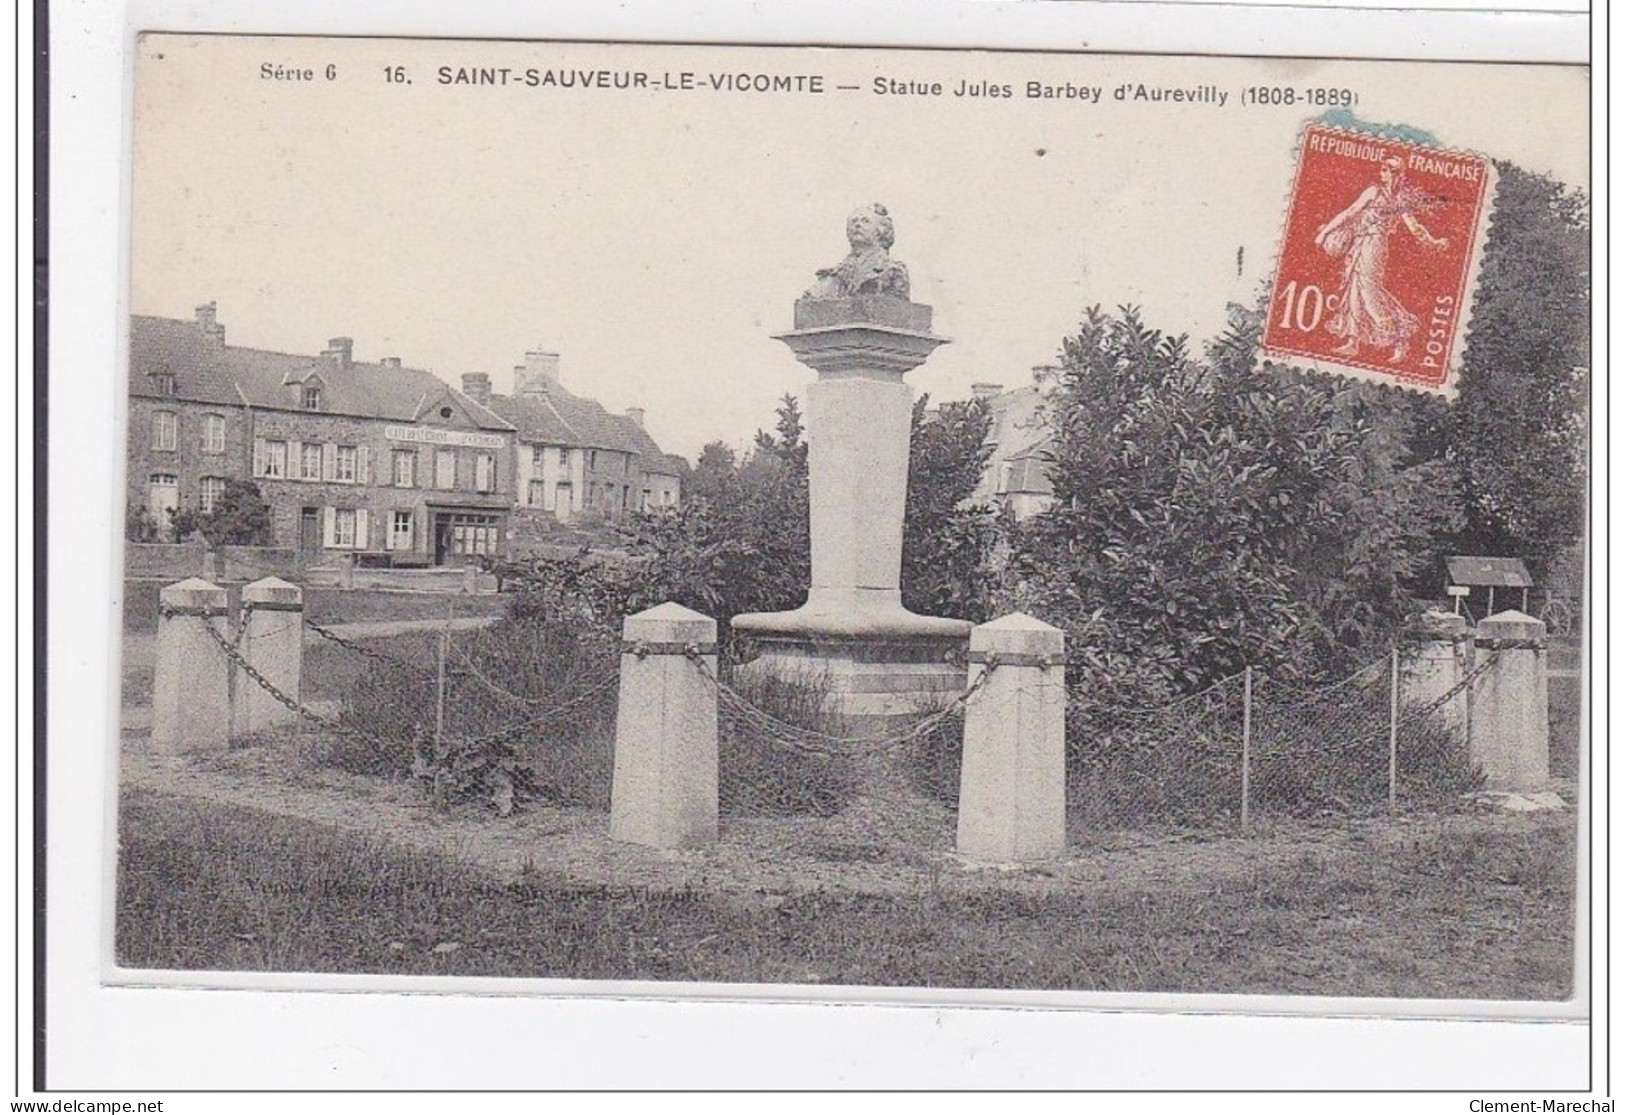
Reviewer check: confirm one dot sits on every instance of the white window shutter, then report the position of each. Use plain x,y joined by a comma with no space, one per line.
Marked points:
259,456
330,453
363,465
363,529
330,517
296,460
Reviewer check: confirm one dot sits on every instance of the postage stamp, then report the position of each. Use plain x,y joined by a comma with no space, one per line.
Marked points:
1379,259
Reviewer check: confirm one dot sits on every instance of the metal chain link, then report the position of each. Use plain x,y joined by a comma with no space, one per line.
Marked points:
359,648
236,657
813,742
501,735
510,732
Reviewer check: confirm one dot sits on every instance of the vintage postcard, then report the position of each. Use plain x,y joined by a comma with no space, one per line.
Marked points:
873,525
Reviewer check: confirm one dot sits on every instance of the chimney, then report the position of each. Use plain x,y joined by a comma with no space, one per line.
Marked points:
477,386
389,361
636,415
542,365
207,323
985,390
338,351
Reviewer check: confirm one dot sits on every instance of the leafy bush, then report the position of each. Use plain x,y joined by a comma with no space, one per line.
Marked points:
948,542
241,517
1208,517
528,714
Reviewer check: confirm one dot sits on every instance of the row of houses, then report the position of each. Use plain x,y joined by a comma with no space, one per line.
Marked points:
377,460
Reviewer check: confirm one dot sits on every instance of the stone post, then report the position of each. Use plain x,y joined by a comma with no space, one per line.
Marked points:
1509,737
664,792
1440,664
191,704
1012,787
273,643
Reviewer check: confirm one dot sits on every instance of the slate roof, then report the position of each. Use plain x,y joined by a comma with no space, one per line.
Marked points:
210,372
197,362
533,418
558,417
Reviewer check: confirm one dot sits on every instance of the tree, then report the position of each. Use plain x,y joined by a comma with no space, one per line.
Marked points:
1519,428
715,475
240,517
1208,517
947,541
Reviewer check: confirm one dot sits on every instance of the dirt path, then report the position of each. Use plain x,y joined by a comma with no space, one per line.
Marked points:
879,847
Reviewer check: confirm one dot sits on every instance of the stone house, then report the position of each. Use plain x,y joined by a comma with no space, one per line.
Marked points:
187,422
378,461
1017,476
574,460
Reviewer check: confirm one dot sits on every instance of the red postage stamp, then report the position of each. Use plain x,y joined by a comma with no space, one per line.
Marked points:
1378,263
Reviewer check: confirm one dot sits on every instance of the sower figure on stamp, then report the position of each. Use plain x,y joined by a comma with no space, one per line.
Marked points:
869,267
1367,312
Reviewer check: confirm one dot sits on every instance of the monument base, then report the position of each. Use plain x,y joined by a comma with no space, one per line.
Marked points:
874,666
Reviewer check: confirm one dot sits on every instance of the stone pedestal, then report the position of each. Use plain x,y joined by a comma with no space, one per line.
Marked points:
878,657
1012,788
664,793
273,643
191,704
1440,663
1510,737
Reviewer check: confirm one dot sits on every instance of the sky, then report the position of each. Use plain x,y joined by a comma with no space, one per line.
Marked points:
657,238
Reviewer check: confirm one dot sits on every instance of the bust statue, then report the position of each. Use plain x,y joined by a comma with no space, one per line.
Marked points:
868,267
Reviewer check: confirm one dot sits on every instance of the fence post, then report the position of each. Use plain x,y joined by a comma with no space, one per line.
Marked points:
1510,736
440,680
1246,743
191,703
1393,731
1012,786
664,791
273,643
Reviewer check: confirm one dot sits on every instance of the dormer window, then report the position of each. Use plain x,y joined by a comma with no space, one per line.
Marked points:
310,397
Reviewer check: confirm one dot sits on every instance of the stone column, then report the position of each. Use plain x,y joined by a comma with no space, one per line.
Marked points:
1509,739
191,705
1012,795
664,793
273,643
878,658
1440,664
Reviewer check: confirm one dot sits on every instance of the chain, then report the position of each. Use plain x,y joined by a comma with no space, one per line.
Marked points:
233,654
519,727
350,644
501,735
814,742
479,675
1456,690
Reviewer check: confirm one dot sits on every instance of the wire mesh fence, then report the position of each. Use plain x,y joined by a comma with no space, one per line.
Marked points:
525,709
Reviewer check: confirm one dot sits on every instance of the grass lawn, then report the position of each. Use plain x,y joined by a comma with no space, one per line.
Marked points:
1482,914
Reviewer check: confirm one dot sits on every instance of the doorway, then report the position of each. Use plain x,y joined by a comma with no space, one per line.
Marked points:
310,530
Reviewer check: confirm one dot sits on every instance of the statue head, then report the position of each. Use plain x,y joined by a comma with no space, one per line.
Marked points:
869,226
